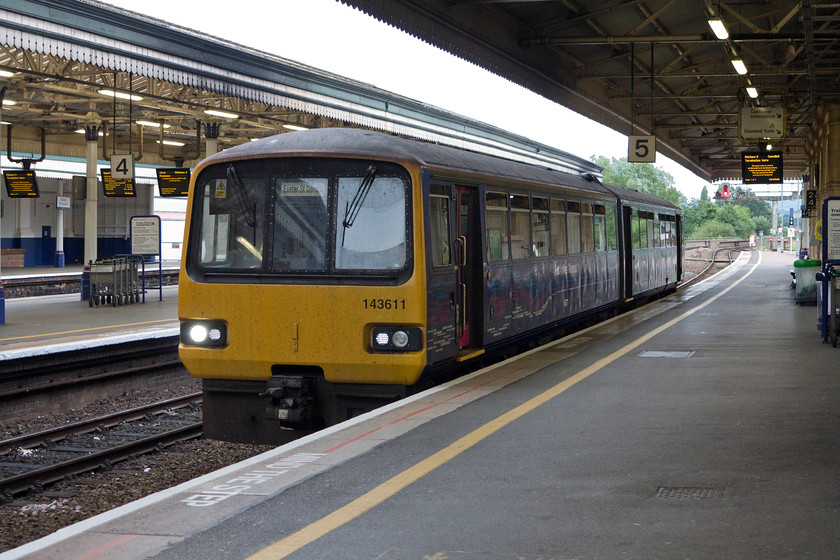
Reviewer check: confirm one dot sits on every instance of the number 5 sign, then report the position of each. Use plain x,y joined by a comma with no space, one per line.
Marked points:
122,166
642,149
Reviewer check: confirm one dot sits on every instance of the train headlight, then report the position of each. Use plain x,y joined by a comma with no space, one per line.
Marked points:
386,338
212,334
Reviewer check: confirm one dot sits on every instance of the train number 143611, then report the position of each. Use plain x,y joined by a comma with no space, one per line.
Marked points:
382,303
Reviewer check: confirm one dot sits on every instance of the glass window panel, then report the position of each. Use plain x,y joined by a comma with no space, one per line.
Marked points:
496,227
520,234
540,234
300,223
441,247
376,239
573,233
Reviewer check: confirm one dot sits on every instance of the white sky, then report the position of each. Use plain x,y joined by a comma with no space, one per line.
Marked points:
328,35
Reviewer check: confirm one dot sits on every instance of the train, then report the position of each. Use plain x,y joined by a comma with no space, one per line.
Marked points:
327,272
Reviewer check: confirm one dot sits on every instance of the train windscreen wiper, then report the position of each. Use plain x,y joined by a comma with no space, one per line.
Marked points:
351,211
250,215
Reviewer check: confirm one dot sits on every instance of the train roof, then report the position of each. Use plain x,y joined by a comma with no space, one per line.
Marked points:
365,143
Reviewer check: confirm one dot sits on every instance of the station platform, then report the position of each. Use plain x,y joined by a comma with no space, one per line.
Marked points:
704,425
42,324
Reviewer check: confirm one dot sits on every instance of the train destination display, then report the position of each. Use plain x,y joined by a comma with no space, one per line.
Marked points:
762,168
117,187
173,181
20,183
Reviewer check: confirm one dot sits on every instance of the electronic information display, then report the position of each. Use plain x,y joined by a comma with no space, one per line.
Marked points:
762,168
174,181
117,187
20,183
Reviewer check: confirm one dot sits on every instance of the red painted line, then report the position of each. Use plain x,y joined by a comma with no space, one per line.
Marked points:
406,417
113,544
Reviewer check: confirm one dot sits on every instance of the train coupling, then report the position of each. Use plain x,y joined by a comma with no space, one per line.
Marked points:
291,398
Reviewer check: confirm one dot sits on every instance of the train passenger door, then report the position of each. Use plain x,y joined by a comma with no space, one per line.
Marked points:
468,261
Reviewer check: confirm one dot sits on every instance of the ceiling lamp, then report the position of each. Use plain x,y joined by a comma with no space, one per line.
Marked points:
119,95
222,114
294,127
6,74
739,66
718,28
150,123
170,143
752,92
9,102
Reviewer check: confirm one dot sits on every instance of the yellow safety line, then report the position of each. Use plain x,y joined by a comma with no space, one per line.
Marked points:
368,501
86,330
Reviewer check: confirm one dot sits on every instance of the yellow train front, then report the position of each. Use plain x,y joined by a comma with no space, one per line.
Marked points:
301,301
327,272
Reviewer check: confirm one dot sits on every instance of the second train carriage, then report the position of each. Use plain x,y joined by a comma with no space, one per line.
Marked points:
326,272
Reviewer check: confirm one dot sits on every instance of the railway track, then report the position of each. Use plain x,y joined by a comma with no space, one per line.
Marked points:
31,461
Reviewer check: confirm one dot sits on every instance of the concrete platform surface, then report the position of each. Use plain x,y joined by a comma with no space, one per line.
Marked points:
703,426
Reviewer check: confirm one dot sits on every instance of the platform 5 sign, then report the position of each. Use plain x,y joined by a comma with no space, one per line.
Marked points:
642,149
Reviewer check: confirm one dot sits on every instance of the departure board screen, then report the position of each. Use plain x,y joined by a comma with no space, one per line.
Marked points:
20,183
762,168
117,187
174,181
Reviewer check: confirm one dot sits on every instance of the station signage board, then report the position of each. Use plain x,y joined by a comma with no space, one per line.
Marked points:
762,123
145,235
117,187
173,181
763,168
20,183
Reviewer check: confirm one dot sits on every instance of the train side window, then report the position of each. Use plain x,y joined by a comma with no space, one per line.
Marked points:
635,227
441,244
558,227
520,227
600,227
573,227
587,228
612,242
540,234
496,228
653,231
643,230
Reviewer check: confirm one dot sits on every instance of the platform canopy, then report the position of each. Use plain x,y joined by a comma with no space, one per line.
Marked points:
158,91
656,67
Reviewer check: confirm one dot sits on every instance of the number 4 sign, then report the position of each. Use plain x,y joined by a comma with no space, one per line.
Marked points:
642,149
122,166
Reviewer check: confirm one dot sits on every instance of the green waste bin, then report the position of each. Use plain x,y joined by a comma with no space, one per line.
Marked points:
806,282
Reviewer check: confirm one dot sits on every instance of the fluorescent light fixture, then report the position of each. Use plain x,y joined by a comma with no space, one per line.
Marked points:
150,123
768,147
119,95
739,66
294,127
82,131
719,29
170,143
6,74
9,102
222,114
752,92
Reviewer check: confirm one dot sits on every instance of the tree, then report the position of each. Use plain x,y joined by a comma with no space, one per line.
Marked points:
642,177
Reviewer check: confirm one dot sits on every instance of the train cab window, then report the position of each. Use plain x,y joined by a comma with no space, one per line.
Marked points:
371,237
292,216
496,228
440,249
587,228
539,227
600,227
558,227
520,227
300,244
573,227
